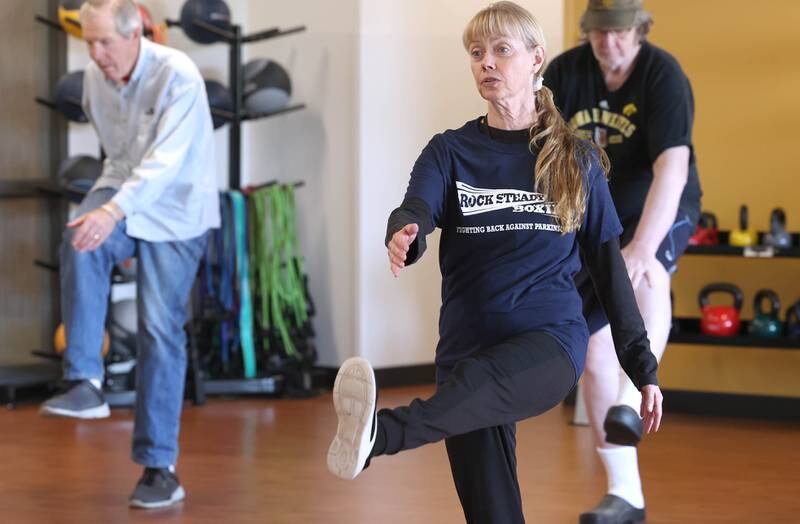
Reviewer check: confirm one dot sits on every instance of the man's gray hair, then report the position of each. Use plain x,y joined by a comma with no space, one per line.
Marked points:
125,12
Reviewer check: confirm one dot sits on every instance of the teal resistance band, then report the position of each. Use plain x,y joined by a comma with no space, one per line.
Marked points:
245,304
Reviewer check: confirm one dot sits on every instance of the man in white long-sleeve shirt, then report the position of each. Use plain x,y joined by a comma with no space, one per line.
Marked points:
156,200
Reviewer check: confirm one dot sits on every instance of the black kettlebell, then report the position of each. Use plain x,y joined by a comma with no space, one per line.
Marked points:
766,323
793,321
778,236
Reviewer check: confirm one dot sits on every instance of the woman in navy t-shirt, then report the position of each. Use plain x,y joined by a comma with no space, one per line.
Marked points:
517,195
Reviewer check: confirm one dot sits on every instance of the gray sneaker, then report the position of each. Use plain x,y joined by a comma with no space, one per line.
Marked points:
82,400
158,488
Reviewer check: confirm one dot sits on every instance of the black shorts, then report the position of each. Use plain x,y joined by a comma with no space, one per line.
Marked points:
668,252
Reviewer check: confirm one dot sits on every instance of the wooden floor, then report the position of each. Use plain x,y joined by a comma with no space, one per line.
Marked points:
263,461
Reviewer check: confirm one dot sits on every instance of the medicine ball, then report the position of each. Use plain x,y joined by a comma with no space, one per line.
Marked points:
125,271
60,341
69,93
150,30
79,167
69,17
267,86
219,97
214,12
123,327
77,175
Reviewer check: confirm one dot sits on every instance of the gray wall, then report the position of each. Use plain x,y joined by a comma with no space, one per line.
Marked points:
29,133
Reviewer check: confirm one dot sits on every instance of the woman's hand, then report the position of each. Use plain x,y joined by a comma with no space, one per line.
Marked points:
651,408
398,247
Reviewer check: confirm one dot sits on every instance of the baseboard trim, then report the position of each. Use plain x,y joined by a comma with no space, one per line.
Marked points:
731,405
675,401
386,377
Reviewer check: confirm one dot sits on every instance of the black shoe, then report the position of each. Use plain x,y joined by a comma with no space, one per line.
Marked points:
623,426
613,510
81,400
158,488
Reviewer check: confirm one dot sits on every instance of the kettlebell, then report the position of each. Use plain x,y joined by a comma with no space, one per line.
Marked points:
720,321
742,237
778,236
706,233
793,321
766,323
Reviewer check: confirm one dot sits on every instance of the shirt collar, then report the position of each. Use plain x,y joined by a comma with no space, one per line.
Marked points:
144,54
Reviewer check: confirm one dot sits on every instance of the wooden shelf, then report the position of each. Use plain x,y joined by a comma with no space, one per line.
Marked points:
757,251
688,332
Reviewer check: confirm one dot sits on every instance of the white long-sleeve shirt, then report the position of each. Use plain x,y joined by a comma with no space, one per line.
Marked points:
157,135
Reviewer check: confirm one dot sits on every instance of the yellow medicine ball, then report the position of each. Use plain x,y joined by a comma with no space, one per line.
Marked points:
60,341
70,21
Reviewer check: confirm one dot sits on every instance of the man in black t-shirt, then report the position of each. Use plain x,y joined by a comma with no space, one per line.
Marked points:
632,99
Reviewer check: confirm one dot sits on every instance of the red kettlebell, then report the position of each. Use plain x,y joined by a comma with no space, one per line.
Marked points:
720,321
706,232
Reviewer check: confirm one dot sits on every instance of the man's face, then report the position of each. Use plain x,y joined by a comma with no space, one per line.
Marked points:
113,53
614,47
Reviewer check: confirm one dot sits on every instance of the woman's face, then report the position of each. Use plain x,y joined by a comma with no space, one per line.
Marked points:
504,67
614,48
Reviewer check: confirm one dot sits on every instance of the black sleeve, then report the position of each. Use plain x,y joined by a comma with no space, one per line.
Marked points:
413,210
670,110
613,287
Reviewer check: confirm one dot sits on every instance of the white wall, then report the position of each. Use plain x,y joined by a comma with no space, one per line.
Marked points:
318,145
415,81
379,78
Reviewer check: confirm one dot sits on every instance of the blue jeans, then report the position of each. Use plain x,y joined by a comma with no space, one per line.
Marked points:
165,275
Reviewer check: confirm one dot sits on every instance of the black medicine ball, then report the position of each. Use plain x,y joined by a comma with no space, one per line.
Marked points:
69,92
267,86
77,175
214,12
71,4
219,97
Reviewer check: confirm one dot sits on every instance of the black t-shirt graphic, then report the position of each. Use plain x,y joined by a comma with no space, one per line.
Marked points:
651,112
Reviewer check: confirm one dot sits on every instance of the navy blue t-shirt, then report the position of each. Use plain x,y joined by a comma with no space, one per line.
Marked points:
506,267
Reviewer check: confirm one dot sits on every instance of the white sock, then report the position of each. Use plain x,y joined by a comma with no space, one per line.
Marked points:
96,383
622,470
628,394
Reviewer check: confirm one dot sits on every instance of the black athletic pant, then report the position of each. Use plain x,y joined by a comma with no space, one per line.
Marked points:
475,409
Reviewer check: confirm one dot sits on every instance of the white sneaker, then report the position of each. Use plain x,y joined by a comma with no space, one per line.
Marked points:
354,398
